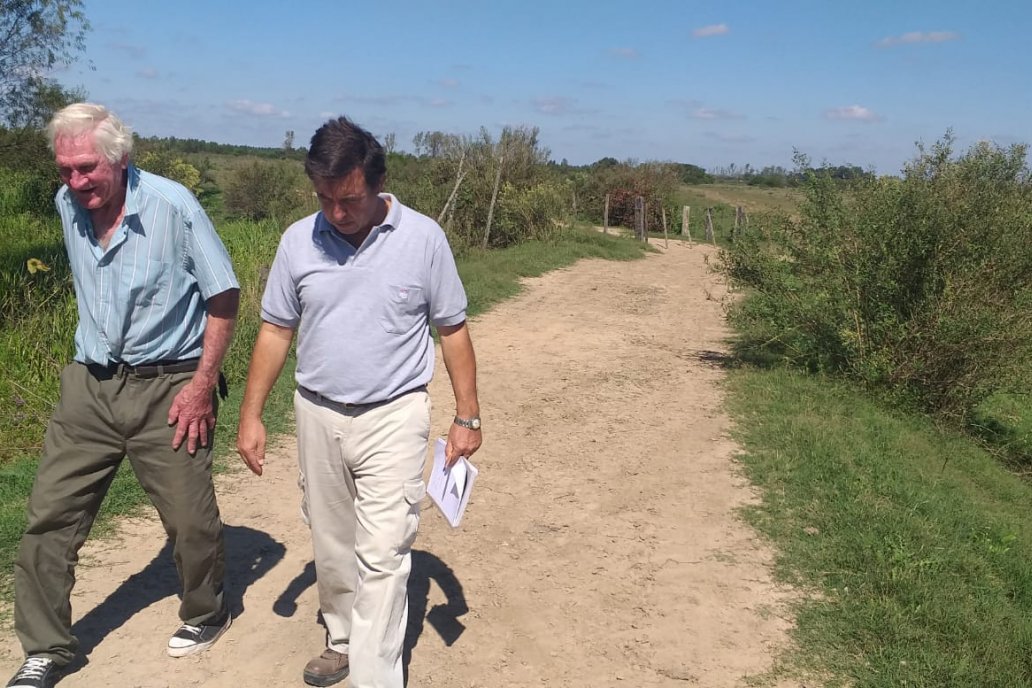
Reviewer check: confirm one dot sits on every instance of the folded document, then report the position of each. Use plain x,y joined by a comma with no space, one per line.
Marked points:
449,488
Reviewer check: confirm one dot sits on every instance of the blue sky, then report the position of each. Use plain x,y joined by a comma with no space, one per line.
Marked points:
696,81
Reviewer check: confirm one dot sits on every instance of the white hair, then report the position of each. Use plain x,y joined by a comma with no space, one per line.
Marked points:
112,138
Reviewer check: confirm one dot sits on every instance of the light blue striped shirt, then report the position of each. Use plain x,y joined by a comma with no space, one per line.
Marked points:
142,299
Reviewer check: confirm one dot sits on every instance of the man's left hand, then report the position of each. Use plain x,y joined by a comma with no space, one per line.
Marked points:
461,442
193,414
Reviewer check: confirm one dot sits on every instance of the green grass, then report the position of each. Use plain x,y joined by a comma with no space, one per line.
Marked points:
755,199
36,344
911,545
1004,421
723,199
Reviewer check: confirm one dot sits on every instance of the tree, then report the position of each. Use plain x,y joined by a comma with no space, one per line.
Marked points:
288,141
35,37
32,106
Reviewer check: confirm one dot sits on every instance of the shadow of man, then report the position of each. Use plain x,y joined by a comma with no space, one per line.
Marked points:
444,618
250,554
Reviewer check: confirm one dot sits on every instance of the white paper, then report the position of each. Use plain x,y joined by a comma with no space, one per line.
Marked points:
449,488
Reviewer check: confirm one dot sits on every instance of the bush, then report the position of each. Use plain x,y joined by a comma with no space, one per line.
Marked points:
920,285
655,182
535,212
266,190
166,164
28,177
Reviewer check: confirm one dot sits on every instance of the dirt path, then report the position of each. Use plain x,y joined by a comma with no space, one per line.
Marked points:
600,548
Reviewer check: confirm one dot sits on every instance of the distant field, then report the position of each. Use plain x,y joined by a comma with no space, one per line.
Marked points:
753,198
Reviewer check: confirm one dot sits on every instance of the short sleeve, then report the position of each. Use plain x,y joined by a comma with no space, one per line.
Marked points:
210,262
280,303
447,295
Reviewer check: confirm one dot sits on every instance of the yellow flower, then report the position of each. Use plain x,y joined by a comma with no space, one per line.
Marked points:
35,265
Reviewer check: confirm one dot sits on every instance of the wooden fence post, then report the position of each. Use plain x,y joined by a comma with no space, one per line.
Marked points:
666,240
686,213
639,219
645,226
605,217
709,226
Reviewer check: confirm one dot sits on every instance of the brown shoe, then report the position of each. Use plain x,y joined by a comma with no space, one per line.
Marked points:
328,668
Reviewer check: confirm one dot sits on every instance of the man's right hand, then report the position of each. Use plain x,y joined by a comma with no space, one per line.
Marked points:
251,443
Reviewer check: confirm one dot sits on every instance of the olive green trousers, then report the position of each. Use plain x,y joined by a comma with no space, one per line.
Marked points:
102,417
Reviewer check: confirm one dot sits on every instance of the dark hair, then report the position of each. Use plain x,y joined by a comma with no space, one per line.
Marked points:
340,146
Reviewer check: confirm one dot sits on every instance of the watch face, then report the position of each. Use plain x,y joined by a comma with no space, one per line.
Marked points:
475,424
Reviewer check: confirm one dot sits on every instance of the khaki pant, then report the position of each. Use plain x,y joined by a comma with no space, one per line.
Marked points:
362,476
98,421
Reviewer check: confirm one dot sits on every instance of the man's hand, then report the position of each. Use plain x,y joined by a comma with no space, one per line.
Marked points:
193,414
461,442
251,443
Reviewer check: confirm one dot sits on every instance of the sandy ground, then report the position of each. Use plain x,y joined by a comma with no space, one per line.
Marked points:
601,546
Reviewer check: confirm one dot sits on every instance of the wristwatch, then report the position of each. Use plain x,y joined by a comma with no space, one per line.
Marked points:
471,423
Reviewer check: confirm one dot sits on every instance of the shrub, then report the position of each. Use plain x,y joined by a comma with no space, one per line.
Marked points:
919,285
28,177
535,212
266,190
166,164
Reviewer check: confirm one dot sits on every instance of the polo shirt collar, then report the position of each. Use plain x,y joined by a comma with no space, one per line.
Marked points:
323,225
393,212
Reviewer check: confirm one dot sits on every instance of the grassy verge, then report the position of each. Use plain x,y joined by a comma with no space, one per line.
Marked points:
489,277
911,544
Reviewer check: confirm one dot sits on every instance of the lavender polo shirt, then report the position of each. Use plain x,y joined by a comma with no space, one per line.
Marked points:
142,298
363,316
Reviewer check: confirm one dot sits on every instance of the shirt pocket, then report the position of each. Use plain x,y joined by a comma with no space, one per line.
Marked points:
146,283
404,308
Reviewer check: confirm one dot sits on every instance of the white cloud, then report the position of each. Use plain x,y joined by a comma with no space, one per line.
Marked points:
713,113
552,106
249,107
625,53
856,112
730,138
448,83
147,73
918,37
711,30
559,105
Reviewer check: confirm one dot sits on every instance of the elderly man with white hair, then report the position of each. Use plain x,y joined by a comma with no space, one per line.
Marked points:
157,302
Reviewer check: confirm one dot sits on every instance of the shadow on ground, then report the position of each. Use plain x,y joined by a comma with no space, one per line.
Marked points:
250,554
444,618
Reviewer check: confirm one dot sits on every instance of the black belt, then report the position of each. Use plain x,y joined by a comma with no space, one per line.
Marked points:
116,368
317,398
151,370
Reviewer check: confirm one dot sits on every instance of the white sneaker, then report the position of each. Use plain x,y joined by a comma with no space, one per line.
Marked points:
191,639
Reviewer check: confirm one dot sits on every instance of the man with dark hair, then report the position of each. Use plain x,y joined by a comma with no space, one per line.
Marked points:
157,302
361,281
